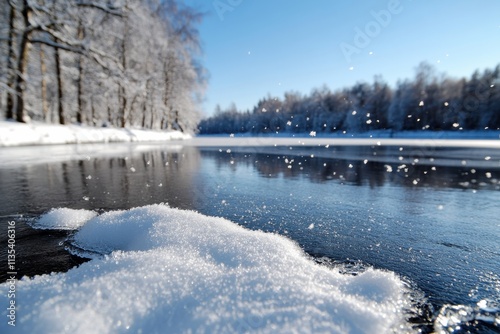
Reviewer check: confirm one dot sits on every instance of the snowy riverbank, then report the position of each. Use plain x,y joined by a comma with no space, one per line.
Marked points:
384,134
19,134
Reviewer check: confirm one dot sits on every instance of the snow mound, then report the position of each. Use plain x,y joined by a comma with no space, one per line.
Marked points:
63,219
18,134
172,271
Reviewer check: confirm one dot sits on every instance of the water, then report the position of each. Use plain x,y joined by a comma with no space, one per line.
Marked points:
428,214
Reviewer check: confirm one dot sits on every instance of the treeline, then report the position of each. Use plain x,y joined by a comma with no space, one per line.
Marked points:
427,102
101,62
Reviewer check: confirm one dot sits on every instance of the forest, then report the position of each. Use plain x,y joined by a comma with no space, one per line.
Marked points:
123,63
136,63
430,101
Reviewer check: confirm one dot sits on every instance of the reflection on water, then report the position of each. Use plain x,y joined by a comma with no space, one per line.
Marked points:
132,179
103,183
427,214
372,166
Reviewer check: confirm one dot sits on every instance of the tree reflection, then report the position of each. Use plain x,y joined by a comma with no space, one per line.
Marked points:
373,166
107,183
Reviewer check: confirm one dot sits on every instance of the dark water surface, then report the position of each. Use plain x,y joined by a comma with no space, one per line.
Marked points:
430,215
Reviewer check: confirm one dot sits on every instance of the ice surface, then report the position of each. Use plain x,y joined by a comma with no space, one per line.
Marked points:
212,141
172,271
63,219
16,134
12,157
452,317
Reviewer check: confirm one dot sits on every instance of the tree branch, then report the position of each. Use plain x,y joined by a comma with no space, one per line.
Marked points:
57,45
7,88
109,9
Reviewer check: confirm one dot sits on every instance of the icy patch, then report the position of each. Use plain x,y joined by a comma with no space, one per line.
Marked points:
459,317
172,271
63,219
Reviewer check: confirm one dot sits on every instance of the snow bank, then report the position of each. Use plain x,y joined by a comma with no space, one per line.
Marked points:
408,134
17,134
173,271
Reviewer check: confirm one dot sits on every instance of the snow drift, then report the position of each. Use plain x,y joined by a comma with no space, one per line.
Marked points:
163,270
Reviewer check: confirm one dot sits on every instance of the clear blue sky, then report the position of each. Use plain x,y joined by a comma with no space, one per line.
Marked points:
256,47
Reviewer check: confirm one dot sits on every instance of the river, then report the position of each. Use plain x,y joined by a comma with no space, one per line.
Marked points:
428,213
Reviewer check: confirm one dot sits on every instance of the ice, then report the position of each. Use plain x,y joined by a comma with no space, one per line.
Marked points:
171,271
64,219
453,317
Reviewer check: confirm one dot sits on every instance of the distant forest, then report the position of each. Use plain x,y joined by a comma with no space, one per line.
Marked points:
128,63
430,101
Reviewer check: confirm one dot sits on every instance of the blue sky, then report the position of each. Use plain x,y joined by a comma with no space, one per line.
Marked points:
253,48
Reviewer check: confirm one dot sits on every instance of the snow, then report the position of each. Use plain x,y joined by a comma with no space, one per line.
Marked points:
387,134
273,141
17,134
64,219
166,270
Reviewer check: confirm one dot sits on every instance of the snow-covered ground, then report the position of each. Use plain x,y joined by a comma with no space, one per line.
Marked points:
228,141
17,134
161,270
37,133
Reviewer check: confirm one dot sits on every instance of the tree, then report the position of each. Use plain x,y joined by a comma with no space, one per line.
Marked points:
101,68
428,102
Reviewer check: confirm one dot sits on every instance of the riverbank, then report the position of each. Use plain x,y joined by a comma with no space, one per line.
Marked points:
37,133
422,134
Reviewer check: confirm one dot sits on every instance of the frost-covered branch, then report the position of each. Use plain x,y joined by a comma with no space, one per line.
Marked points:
7,88
56,45
107,8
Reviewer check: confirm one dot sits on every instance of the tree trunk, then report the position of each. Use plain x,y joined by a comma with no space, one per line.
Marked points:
92,119
152,117
145,105
143,123
122,92
167,67
22,63
43,70
79,112
110,121
123,107
177,121
60,108
11,64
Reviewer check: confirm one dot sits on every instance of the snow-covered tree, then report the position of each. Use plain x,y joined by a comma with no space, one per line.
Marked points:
122,63
428,102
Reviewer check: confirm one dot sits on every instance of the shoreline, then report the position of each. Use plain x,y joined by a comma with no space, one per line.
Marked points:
14,134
